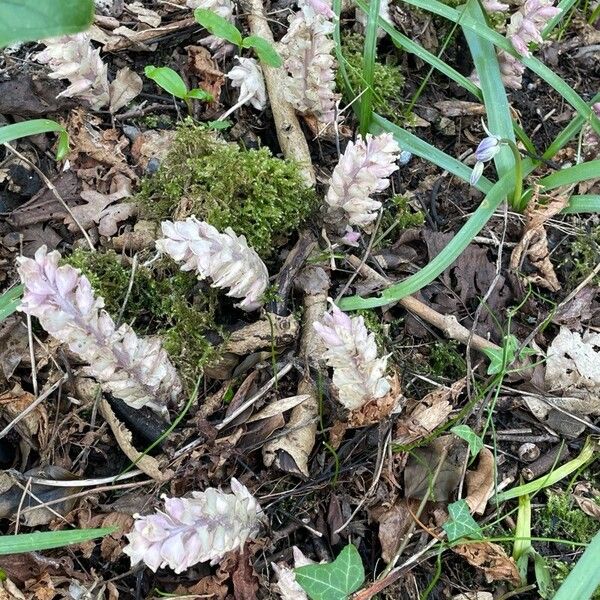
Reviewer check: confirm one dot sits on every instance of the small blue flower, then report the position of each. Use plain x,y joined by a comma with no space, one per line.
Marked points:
488,148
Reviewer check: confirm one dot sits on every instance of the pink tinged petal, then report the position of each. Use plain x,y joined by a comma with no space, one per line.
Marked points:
66,279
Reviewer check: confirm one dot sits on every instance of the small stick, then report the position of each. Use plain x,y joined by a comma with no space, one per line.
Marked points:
448,324
289,133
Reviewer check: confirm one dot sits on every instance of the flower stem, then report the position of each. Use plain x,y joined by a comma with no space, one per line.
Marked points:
518,193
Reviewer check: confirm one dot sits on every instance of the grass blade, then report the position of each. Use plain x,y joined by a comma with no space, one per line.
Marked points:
369,56
571,175
443,260
494,95
582,204
421,148
9,301
539,68
401,41
8,133
583,580
44,540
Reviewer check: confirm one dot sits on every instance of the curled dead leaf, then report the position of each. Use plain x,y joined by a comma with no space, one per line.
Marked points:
480,482
491,559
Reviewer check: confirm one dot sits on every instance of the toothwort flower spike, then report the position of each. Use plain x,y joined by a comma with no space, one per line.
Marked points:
363,170
527,23
358,374
192,530
223,257
72,57
136,370
306,50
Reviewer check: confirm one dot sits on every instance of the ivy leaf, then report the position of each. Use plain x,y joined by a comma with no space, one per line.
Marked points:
264,50
333,581
501,358
466,433
461,524
218,25
168,80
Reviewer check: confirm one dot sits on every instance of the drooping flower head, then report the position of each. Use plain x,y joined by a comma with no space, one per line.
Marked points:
192,530
487,149
248,77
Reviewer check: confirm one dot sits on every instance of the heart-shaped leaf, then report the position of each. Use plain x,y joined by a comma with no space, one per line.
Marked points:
333,581
467,434
461,524
218,25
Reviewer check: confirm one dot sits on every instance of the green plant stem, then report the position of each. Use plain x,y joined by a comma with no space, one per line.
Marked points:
369,57
518,193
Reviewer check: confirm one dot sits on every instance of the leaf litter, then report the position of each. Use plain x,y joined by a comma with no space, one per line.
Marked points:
335,428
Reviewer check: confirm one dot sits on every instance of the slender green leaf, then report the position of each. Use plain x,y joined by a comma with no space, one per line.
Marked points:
419,147
582,204
369,57
31,20
198,94
584,579
44,540
543,576
8,133
9,301
264,50
565,6
497,110
539,68
333,581
218,26
571,175
523,529
443,260
168,80
461,524
473,440
586,455
412,47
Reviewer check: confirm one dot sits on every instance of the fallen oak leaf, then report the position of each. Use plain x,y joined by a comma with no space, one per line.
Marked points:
491,559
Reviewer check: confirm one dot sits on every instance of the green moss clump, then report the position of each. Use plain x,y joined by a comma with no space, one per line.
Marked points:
388,81
583,255
162,301
445,360
561,518
254,193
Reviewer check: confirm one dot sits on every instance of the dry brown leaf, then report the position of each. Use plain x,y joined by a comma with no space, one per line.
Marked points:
277,407
393,525
588,506
150,148
210,77
123,37
9,591
94,209
491,559
459,108
533,246
110,545
33,425
146,463
144,15
480,482
431,412
377,410
111,216
125,87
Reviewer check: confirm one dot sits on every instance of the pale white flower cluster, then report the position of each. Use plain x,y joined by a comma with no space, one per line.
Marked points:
363,170
73,57
306,50
358,374
224,8
192,530
248,76
225,258
525,26
136,370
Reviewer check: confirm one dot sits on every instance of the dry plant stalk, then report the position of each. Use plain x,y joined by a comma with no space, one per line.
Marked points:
289,133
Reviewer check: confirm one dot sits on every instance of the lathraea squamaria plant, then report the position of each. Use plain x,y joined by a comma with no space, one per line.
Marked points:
224,258
201,528
363,170
358,373
136,370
